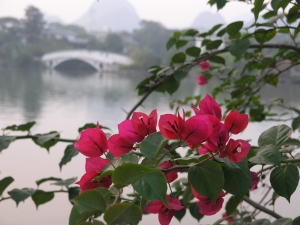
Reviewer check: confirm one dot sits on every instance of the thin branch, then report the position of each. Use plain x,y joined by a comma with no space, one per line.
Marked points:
54,139
262,199
261,208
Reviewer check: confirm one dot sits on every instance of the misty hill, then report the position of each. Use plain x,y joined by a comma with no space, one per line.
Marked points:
108,15
207,20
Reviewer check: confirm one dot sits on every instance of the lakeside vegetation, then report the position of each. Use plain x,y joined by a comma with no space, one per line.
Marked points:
24,41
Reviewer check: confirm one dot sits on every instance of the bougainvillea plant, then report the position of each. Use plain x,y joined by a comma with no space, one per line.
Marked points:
203,130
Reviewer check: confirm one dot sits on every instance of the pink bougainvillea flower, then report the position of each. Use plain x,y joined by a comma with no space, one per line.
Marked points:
204,65
236,122
170,125
220,136
201,80
92,142
229,218
236,150
144,124
197,129
206,148
127,131
86,182
208,105
255,180
206,205
118,145
164,214
95,164
172,175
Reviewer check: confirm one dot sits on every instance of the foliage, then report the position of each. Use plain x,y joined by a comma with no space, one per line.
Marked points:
149,150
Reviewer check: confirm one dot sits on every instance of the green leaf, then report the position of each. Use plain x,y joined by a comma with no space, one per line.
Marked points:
129,158
193,51
237,180
261,222
191,32
234,28
282,221
283,4
5,141
87,125
294,142
274,4
187,195
276,135
76,218
19,195
267,154
181,43
284,180
214,28
214,44
296,221
258,4
293,14
152,145
96,222
239,47
269,14
207,179
179,57
41,197
73,192
170,84
26,126
296,123
147,180
232,204
152,186
177,34
262,35
39,182
65,183
46,140
123,214
221,4
171,42
21,127
90,201
297,30
127,174
194,210
69,153
271,79
180,214
217,59
4,183
179,75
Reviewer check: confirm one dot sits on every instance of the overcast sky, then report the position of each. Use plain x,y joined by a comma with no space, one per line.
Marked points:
171,13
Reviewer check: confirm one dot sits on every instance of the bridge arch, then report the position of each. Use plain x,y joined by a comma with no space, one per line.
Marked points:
101,61
97,66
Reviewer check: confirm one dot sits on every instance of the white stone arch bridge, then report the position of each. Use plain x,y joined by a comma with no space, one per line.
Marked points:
100,60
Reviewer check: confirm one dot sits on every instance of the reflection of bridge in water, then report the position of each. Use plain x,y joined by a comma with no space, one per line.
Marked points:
101,61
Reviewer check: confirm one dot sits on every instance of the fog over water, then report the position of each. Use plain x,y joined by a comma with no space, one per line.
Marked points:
64,102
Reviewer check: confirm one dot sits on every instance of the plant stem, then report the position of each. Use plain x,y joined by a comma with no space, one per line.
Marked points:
261,208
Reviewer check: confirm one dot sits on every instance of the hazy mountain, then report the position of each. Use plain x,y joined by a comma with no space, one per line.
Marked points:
207,20
110,15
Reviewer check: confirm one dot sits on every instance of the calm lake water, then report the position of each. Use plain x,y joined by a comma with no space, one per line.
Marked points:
65,101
